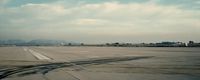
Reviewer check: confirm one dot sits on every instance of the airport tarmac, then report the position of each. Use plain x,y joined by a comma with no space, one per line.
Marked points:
99,63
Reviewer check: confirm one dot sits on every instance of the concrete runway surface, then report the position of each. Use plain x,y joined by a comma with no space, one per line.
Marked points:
99,63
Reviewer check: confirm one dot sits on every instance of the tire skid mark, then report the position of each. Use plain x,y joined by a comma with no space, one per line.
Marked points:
45,68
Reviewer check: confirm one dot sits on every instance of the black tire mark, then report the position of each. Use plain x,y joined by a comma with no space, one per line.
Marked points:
45,68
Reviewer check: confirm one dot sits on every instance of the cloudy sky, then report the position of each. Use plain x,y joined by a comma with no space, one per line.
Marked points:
95,21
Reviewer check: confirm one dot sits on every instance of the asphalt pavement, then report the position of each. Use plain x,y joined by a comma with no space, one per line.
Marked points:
99,63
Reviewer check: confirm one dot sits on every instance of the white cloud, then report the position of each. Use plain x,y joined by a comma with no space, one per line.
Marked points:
43,11
88,22
109,18
3,2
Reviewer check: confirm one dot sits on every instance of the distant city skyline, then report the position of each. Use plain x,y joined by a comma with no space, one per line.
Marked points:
107,44
100,21
67,41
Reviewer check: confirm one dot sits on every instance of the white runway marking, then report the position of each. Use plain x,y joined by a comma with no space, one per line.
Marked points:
38,55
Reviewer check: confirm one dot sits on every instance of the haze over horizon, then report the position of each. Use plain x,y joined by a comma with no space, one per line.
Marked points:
93,21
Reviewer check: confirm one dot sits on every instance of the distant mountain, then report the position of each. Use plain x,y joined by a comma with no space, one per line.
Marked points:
12,42
47,42
38,42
